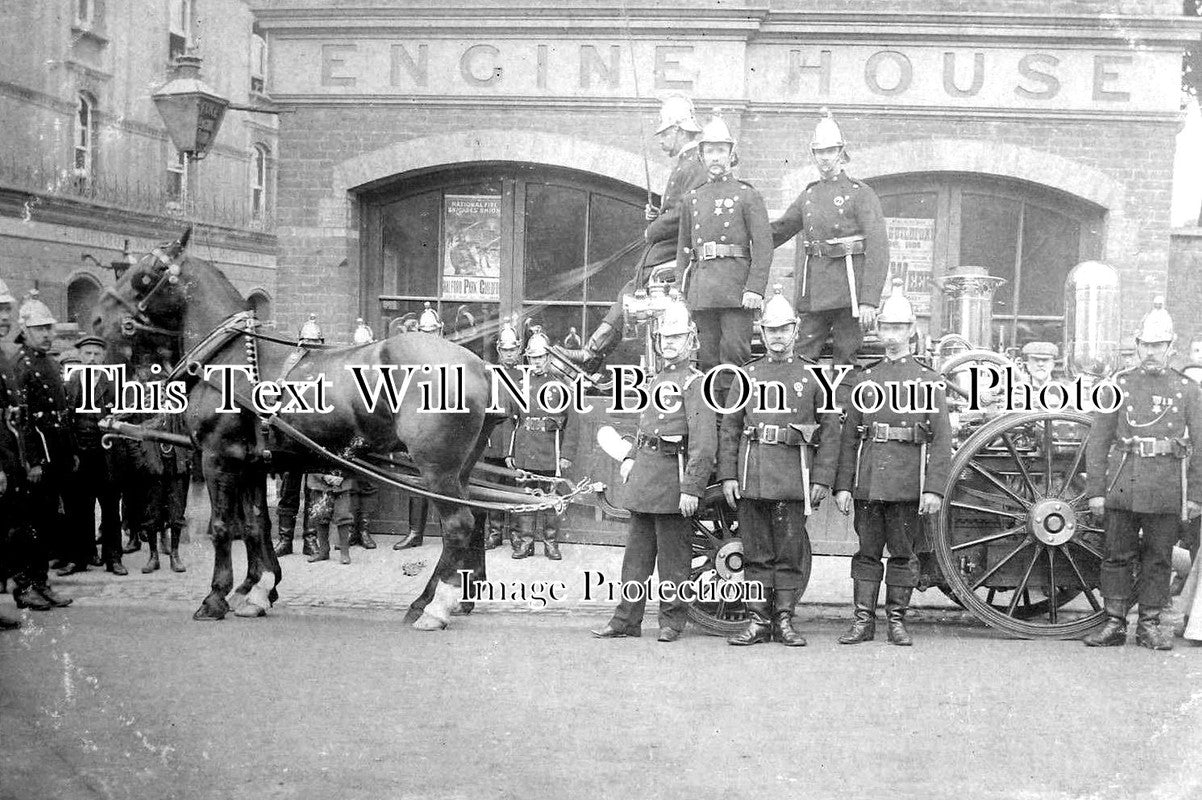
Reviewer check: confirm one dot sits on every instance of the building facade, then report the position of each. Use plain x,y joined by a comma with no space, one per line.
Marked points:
87,170
492,159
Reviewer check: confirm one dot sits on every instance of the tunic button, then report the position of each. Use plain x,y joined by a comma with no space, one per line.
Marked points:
727,225
723,238
1130,408
661,416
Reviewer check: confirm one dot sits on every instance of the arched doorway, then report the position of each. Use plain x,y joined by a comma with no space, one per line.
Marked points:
82,294
482,241
259,302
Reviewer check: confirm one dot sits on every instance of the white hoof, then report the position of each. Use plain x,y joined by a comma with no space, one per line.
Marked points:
249,610
427,622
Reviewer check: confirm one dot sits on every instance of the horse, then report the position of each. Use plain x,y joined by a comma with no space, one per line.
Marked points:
171,295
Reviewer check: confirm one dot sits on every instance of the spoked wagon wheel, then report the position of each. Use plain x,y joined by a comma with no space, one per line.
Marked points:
1014,540
956,373
718,561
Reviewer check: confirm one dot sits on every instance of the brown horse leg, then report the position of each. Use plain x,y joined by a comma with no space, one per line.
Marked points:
222,497
450,560
255,531
458,528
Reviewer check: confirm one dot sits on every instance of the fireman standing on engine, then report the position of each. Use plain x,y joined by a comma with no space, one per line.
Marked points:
894,463
1143,476
677,137
777,458
724,255
845,251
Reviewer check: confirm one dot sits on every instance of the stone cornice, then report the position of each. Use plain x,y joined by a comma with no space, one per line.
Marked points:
750,21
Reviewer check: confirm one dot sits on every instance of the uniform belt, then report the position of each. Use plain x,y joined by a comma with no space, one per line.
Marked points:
787,435
838,249
1149,446
708,251
880,432
661,445
543,424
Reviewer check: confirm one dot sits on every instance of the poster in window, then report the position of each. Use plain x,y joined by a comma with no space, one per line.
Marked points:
911,254
471,267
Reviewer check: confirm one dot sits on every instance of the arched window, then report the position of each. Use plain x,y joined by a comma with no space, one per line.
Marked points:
258,182
260,303
85,136
484,241
82,294
1029,234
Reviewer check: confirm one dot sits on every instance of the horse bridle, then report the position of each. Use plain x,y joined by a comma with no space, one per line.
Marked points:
137,319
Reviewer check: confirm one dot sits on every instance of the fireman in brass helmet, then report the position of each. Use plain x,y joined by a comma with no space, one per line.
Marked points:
292,483
419,507
843,250
724,255
15,532
894,464
51,454
500,439
775,467
538,446
367,493
677,138
664,476
1143,476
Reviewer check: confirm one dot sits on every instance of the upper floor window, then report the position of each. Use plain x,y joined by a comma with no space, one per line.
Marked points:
85,136
258,63
177,176
180,25
85,13
258,181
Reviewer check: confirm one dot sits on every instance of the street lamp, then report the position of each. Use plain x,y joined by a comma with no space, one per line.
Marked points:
191,109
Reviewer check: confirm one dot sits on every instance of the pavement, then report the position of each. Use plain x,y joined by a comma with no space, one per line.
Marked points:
390,580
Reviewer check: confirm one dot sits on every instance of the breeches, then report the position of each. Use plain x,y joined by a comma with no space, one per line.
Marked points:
774,542
1153,552
839,324
883,524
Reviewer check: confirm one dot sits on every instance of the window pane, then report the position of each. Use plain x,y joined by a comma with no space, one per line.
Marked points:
613,224
1051,245
410,244
557,321
555,225
989,238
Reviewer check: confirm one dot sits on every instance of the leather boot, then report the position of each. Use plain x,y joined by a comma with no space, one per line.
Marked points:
28,597
419,511
152,564
897,601
496,530
1114,632
782,619
1148,632
132,543
344,543
56,600
7,624
759,626
551,542
360,535
863,628
287,524
321,543
177,565
309,542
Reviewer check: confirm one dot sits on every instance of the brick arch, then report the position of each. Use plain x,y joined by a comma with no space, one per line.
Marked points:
462,147
972,156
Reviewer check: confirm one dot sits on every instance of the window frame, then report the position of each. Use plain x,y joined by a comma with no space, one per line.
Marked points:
258,63
86,20
84,138
177,165
950,188
260,156
180,27
514,180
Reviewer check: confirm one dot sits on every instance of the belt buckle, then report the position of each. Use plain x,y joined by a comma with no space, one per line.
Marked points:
770,434
1145,446
709,251
880,432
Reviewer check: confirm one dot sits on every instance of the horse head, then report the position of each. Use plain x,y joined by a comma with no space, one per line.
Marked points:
162,301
